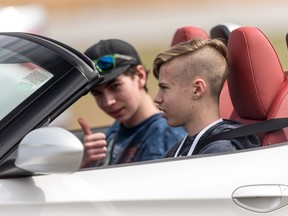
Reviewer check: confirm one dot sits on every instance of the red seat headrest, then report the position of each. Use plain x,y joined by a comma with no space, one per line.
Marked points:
187,33
255,74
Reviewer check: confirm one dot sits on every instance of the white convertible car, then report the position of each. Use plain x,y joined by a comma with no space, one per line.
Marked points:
39,164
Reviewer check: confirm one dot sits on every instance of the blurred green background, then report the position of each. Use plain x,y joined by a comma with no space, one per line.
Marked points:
148,25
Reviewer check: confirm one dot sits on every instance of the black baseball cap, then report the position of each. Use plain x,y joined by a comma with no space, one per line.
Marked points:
112,57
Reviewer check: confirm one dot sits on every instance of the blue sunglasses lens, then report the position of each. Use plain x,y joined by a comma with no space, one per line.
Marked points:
108,62
105,63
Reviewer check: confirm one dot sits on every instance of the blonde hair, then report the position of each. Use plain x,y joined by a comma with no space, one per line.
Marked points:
198,57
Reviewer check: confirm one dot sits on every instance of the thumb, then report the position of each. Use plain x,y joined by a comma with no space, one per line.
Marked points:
85,126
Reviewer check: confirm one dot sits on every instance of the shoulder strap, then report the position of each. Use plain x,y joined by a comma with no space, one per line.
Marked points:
246,130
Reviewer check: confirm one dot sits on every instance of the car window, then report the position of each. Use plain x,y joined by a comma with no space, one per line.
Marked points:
39,79
24,68
18,82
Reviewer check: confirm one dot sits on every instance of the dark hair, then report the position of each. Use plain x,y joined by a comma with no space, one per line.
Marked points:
133,70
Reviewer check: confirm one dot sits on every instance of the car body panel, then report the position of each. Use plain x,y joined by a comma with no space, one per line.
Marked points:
202,185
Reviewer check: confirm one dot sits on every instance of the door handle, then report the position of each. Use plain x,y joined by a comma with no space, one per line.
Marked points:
261,198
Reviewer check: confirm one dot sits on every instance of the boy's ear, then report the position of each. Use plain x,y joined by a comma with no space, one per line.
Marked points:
199,88
141,73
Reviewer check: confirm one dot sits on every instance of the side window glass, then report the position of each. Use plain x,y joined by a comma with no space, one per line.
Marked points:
18,82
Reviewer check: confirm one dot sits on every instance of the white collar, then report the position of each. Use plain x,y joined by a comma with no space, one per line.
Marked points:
197,138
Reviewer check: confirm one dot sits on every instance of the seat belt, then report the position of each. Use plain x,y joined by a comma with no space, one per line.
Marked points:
246,130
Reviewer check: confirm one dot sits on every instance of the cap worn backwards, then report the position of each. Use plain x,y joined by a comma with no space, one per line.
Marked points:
112,57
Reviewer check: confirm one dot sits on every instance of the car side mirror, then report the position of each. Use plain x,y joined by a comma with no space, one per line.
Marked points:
49,150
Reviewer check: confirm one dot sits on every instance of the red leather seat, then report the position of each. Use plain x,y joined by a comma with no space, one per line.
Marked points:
257,83
187,33
190,32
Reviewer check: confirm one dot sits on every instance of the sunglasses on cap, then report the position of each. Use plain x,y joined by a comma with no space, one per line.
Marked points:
109,62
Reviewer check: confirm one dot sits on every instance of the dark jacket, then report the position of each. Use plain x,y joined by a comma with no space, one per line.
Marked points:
250,141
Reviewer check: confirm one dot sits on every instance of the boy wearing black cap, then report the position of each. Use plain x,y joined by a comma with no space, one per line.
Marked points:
139,132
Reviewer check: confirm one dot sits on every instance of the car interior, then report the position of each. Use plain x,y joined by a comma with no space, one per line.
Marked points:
257,83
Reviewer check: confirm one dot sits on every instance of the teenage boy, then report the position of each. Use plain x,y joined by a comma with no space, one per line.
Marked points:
139,132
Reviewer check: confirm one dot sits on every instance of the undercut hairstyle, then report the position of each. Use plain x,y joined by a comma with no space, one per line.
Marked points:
206,58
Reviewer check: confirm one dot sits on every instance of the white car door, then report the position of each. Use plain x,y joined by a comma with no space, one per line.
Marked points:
252,182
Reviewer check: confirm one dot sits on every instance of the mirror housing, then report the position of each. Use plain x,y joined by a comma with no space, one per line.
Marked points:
49,150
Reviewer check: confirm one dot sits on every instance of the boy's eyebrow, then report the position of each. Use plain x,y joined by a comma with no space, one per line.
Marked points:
112,82
105,86
160,84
